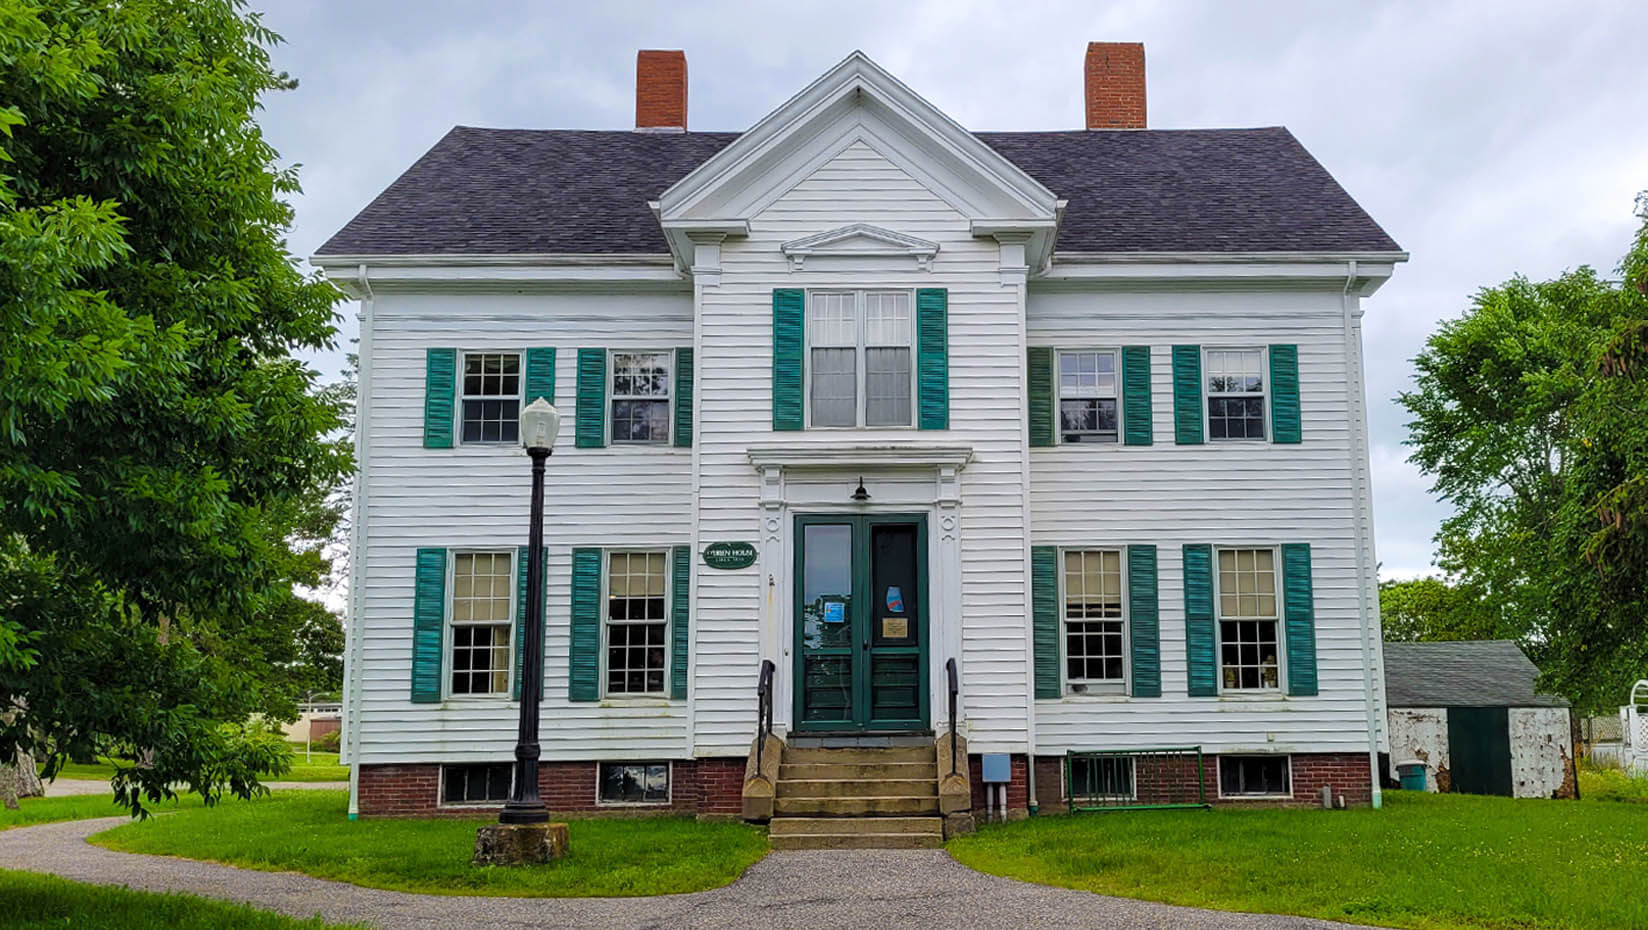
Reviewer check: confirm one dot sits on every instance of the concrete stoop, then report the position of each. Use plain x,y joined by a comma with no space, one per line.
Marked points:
857,798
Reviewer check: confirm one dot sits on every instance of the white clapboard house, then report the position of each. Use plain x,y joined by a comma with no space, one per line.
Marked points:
864,393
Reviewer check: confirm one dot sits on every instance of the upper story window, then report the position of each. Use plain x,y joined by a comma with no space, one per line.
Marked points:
637,623
1235,393
641,397
491,397
483,600
860,350
1087,396
1094,636
1249,631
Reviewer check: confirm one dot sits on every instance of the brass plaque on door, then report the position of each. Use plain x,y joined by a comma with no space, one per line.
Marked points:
895,627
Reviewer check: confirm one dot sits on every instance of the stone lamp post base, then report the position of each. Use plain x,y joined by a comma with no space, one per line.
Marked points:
520,844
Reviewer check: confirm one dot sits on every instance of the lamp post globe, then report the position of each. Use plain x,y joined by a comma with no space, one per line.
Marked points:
540,422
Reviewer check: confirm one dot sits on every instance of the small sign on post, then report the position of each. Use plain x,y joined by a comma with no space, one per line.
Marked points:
730,556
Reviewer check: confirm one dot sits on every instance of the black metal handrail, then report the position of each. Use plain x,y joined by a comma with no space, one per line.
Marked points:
764,710
950,672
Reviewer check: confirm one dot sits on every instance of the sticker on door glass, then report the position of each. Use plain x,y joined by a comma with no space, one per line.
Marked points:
835,612
895,627
895,599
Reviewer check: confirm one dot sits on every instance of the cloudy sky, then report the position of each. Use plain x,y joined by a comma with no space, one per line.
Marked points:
1489,138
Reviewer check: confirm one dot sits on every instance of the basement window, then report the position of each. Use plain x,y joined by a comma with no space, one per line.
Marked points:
1101,778
475,784
1255,777
635,783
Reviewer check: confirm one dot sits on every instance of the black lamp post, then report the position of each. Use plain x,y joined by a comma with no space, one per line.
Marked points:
539,424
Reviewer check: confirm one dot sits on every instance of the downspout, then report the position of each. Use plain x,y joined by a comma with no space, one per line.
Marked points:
1355,406
357,551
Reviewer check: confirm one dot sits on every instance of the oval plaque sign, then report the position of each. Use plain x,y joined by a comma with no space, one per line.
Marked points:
729,555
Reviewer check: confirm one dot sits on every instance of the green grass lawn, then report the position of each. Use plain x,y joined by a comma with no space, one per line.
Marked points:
41,901
31,811
1598,784
308,832
323,766
1425,861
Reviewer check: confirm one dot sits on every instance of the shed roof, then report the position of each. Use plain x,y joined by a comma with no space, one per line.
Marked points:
1471,673
503,191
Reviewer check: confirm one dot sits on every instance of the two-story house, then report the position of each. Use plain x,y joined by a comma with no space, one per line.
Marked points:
859,391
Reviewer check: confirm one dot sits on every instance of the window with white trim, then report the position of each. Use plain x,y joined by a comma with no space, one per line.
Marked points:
1255,777
1094,625
476,784
635,783
637,623
860,358
1235,393
1249,631
641,397
491,397
483,601
1088,408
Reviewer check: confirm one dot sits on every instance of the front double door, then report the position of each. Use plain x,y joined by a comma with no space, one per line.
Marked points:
861,623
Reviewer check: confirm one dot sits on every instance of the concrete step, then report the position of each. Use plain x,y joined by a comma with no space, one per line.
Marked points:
858,841
818,770
800,756
855,807
857,787
789,826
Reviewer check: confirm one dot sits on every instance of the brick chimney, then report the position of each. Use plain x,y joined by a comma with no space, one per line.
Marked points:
661,90
1115,85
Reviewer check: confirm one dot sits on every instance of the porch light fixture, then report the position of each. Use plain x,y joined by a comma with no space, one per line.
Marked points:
860,495
540,423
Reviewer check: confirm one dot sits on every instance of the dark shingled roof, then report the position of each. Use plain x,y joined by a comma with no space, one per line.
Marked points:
495,191
1476,673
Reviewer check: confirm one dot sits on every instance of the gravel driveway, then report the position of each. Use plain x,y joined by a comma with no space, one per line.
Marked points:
852,890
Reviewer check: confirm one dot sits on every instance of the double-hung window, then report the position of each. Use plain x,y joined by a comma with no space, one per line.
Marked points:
637,623
1249,631
1087,397
1094,647
483,600
1235,393
641,397
861,348
491,397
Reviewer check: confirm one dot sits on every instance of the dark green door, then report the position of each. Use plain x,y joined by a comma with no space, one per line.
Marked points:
1479,750
861,623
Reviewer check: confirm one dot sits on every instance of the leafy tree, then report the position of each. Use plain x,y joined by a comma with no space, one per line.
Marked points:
1431,610
164,463
1529,415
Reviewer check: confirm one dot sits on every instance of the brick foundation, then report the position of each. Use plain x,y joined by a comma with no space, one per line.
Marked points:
697,786
1166,780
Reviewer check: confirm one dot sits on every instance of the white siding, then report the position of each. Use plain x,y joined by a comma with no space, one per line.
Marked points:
477,496
1224,493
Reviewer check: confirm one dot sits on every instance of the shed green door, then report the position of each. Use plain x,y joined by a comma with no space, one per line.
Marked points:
1479,750
861,623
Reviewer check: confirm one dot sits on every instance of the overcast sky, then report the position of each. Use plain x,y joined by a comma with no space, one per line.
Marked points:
1489,138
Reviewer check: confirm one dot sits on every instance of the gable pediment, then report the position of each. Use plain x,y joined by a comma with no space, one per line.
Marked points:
860,240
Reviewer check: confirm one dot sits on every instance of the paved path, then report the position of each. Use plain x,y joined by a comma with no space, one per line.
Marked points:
851,890
63,787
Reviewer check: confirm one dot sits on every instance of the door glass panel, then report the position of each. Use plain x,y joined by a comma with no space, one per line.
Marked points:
895,616
827,622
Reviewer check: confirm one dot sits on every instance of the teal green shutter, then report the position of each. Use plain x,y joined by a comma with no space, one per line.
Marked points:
1044,604
440,384
540,374
1187,395
683,398
1299,604
1199,639
788,304
1143,621
428,616
584,660
933,356
1038,368
680,610
1138,429
1284,393
520,613
592,398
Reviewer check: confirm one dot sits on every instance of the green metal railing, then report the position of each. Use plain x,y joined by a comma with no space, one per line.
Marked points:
1135,779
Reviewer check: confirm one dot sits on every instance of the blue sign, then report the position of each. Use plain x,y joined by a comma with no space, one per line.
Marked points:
835,612
895,599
